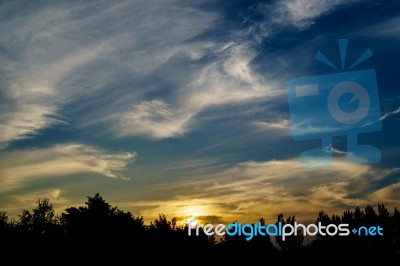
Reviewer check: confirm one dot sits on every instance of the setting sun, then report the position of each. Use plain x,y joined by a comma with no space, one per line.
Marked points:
193,211
192,221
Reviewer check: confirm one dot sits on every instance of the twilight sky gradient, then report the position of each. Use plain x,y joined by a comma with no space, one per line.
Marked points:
180,107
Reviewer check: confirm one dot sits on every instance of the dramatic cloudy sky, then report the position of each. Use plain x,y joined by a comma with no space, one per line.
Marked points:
180,107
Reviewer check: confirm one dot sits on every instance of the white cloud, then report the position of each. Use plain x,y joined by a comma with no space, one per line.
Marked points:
303,13
156,119
298,14
386,115
25,120
228,79
278,124
114,59
76,55
145,73
26,166
32,96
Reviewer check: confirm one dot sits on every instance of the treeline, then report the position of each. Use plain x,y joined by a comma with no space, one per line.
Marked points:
100,232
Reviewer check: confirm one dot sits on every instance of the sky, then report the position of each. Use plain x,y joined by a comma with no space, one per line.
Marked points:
181,107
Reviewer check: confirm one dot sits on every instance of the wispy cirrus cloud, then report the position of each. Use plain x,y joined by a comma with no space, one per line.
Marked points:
24,121
228,79
297,14
155,118
384,116
303,13
33,66
22,167
61,67
388,114
264,189
278,124
58,64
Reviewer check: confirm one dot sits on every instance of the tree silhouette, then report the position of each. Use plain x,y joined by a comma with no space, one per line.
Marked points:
396,231
4,227
234,248
98,231
293,243
103,224
3,221
362,243
42,223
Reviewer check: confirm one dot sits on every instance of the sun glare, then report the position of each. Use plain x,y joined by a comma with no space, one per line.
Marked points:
193,212
192,221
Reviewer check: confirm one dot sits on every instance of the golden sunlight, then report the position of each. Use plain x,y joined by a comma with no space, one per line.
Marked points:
192,212
192,220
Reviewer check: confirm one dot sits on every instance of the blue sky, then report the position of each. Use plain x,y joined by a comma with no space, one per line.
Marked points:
181,107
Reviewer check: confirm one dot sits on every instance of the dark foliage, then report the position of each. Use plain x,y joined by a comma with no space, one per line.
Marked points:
99,232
